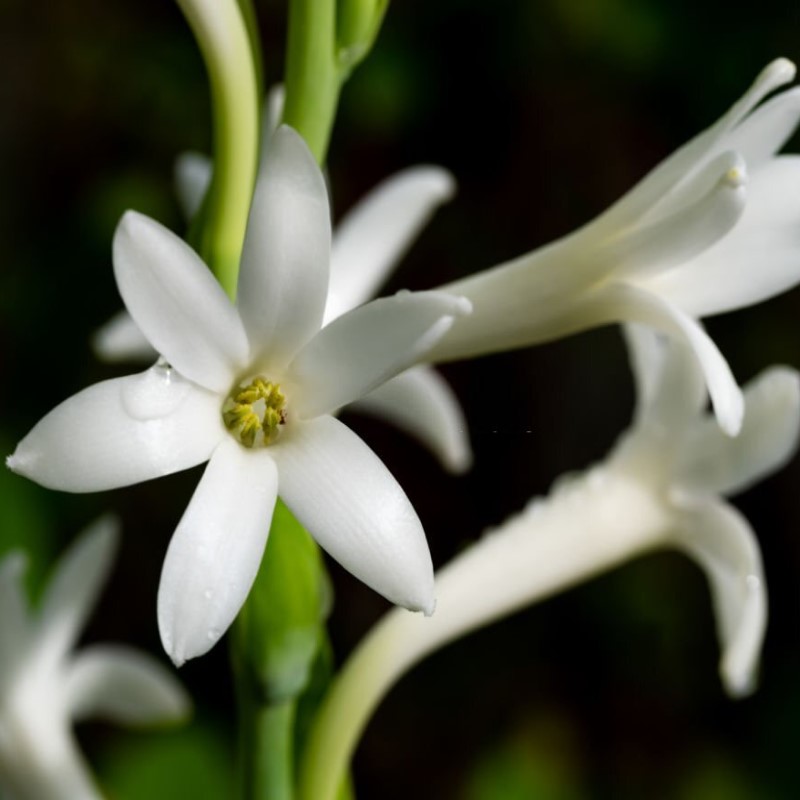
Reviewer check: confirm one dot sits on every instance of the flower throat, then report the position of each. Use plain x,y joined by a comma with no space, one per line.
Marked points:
254,412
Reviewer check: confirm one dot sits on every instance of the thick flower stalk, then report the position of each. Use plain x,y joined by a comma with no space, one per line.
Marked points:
252,387
713,228
45,688
661,487
365,249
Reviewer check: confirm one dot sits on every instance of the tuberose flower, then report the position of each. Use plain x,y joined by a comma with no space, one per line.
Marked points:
713,228
661,487
366,246
45,688
252,387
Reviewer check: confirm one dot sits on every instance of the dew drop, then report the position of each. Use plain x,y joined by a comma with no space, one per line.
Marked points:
154,393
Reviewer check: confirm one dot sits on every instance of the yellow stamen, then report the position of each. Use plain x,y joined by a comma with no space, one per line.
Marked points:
254,412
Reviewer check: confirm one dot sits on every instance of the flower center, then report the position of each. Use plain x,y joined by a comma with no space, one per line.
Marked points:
254,412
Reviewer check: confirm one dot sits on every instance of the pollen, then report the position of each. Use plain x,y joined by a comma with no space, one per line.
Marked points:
254,412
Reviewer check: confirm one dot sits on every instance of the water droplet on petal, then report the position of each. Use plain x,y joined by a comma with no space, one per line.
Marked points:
155,393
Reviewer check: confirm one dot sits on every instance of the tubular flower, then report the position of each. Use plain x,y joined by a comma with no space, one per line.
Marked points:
44,688
661,487
714,227
252,387
366,246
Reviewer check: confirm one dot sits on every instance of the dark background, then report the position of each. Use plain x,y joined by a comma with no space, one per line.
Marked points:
545,112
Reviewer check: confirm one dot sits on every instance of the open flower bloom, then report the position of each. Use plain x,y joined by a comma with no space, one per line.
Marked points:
252,387
714,227
366,246
661,487
44,687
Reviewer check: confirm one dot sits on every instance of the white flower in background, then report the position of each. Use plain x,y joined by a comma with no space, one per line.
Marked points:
45,688
714,227
252,387
366,246
661,487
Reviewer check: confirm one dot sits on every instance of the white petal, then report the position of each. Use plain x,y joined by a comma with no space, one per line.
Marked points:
420,402
717,464
375,234
73,590
121,340
273,114
121,432
121,684
342,493
216,550
283,281
367,346
177,303
694,227
15,626
622,302
721,540
767,129
669,176
758,259
192,178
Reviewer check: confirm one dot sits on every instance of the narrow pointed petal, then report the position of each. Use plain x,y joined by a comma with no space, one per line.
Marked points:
192,178
646,357
367,346
671,173
688,232
283,281
718,464
120,684
621,302
177,303
342,493
767,129
15,627
420,402
758,259
375,234
120,432
216,550
722,542
74,588
121,340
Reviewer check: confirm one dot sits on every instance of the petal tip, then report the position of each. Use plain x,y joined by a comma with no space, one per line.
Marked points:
779,71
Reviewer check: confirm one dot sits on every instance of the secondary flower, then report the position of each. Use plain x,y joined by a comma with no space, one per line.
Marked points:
45,688
661,487
252,387
713,228
366,246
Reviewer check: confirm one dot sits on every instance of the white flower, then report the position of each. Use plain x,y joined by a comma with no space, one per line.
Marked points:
251,387
713,228
366,246
661,487
44,688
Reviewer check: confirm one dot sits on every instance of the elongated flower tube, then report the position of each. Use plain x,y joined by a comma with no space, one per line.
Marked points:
661,487
366,246
713,228
45,688
252,388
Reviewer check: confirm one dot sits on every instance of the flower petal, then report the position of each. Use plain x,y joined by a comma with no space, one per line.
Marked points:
342,493
273,114
374,235
121,432
619,302
73,590
718,464
420,402
283,281
192,178
722,542
121,340
177,303
216,550
367,346
671,240
121,684
758,259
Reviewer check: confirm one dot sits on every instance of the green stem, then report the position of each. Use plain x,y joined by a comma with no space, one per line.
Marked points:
223,38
